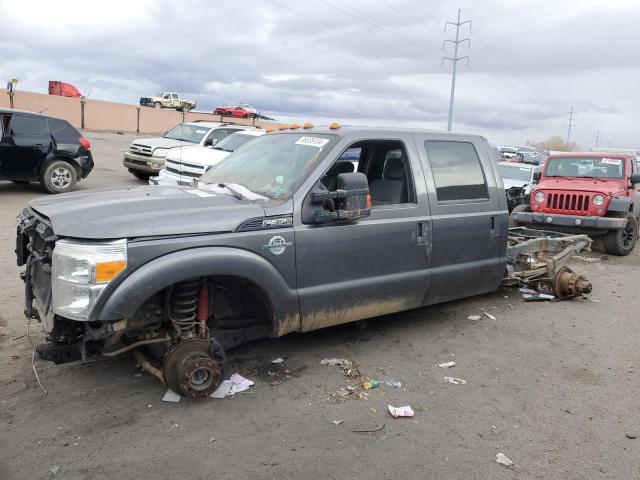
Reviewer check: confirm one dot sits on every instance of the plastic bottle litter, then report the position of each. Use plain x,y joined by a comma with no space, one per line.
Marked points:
393,383
370,384
502,459
396,412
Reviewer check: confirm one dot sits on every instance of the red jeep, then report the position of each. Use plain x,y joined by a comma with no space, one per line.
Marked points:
592,193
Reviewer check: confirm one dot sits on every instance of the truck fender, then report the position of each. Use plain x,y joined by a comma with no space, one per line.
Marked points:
619,204
123,299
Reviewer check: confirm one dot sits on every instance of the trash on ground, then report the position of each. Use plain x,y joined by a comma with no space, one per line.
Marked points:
277,360
631,436
488,315
337,422
502,459
15,357
345,393
396,412
393,383
531,295
369,430
455,380
236,384
474,317
171,396
349,368
447,364
55,469
370,384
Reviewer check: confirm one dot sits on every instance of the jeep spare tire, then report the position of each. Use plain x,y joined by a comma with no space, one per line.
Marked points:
621,242
58,177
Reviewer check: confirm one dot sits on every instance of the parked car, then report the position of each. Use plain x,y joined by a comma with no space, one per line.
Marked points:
168,100
240,111
282,236
145,156
510,153
38,148
518,180
590,193
184,165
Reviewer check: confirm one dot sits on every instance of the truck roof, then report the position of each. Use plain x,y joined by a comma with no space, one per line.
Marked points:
590,155
375,132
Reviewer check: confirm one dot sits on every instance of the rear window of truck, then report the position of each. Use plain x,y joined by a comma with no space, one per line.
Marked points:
456,169
63,132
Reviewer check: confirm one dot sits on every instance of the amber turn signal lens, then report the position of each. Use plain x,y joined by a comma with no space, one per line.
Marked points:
107,271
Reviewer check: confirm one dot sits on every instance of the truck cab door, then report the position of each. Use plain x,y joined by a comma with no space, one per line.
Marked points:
470,217
352,270
25,144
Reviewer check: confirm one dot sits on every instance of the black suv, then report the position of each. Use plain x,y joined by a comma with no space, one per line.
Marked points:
37,148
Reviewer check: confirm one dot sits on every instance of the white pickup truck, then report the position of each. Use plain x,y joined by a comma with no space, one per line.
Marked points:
168,100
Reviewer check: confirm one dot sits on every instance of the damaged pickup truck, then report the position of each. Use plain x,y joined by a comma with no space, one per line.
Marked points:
282,236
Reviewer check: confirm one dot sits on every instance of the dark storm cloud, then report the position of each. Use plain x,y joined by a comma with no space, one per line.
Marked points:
366,60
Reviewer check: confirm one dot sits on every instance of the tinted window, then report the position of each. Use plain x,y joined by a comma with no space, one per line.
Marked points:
217,135
28,125
456,169
62,131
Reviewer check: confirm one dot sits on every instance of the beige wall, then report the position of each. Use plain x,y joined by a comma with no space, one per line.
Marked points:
110,116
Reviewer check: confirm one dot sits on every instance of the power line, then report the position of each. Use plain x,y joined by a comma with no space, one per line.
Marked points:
455,59
571,124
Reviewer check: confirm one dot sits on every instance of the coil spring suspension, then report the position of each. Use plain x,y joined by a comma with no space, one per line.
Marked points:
181,306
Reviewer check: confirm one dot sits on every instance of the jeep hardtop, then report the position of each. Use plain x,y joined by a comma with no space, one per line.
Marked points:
282,236
591,193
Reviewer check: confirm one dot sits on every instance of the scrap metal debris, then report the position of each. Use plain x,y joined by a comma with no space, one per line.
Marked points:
171,396
447,364
455,380
396,412
349,368
530,295
502,459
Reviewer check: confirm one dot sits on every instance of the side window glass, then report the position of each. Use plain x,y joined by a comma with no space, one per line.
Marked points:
218,134
167,96
457,171
28,125
62,132
175,97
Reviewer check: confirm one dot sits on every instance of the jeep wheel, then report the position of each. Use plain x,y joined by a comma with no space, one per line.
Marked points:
622,242
139,175
157,105
516,209
58,177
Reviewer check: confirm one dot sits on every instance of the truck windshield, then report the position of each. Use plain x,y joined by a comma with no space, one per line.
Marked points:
234,142
272,165
585,167
515,172
187,133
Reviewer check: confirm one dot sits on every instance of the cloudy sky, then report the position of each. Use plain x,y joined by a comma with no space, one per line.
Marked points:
356,61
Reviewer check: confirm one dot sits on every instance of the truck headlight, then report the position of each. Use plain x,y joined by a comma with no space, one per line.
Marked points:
539,197
81,271
598,200
160,152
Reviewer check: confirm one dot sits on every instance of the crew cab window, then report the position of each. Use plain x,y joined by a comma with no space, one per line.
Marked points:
218,135
457,171
28,125
174,96
167,96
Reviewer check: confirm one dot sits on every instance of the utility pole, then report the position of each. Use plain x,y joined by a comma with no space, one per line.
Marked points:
455,59
571,124
597,137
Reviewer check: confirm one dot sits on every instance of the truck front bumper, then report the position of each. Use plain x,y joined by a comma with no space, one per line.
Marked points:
571,221
167,178
143,163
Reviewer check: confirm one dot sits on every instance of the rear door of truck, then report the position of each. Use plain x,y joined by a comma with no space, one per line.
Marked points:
469,215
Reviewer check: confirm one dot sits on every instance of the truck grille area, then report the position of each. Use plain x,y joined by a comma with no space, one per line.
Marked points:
140,149
187,169
567,203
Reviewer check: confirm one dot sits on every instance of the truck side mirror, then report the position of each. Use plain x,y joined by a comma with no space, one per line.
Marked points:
350,201
536,176
635,178
210,142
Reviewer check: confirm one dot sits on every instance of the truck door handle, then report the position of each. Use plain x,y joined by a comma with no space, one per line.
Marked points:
422,235
493,231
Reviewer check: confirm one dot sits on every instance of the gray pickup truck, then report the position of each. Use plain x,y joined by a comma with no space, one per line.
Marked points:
300,229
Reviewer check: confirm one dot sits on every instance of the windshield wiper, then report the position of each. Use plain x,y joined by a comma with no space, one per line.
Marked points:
234,193
222,149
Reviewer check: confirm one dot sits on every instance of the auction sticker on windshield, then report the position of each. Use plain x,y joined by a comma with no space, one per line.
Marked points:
313,141
611,161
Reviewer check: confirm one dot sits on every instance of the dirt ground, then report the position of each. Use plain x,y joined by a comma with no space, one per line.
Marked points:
554,386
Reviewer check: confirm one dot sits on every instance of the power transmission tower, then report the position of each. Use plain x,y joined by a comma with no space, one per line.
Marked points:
597,137
571,124
455,59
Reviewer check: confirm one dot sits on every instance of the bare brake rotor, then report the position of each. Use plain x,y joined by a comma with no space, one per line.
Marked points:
194,367
567,283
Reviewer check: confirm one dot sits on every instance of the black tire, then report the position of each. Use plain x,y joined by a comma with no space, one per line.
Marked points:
622,242
516,209
140,175
59,177
21,182
157,105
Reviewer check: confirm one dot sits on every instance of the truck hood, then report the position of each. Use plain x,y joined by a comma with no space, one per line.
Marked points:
160,142
197,155
143,211
511,182
606,187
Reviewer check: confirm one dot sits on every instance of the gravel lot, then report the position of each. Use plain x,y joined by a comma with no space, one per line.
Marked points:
554,386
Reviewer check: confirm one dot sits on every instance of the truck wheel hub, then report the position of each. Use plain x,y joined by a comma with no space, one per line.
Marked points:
190,370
